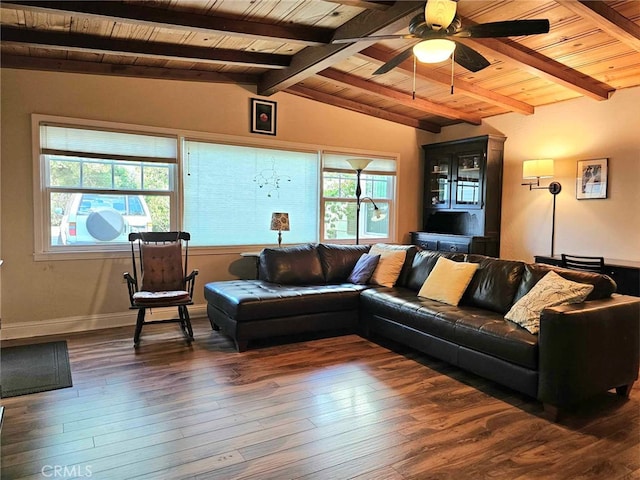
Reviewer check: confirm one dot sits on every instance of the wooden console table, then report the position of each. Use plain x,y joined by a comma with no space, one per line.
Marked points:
626,273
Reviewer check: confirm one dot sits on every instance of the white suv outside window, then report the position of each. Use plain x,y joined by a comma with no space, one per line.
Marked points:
92,218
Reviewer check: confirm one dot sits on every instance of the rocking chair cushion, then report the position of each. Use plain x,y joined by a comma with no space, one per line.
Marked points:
164,298
162,267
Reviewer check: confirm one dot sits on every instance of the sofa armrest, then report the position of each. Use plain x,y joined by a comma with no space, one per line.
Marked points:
588,348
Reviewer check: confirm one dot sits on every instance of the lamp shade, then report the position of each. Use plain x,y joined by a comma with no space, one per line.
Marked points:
280,221
378,215
359,163
537,168
439,13
434,51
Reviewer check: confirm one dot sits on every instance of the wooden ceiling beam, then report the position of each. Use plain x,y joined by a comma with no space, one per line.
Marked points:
542,66
369,5
139,48
121,70
606,19
311,60
361,108
191,22
368,87
461,86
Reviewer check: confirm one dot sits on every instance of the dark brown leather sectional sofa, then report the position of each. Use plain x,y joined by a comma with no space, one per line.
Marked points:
581,349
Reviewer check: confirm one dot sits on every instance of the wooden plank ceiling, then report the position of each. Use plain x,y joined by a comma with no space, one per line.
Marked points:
592,50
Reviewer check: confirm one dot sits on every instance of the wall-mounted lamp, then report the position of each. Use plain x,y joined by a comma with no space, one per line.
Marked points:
359,164
537,169
280,222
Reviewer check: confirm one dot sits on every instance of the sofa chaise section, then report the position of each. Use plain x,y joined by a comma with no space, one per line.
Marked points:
301,289
247,310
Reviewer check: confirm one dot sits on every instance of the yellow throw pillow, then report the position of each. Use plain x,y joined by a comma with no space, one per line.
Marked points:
390,264
447,281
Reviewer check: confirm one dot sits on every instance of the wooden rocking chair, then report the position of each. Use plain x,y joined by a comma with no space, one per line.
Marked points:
163,278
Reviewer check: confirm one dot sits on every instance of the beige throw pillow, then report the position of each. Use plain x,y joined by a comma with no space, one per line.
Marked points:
389,266
447,281
552,290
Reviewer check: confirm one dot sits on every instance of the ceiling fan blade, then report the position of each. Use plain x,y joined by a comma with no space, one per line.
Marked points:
509,28
375,38
394,62
469,58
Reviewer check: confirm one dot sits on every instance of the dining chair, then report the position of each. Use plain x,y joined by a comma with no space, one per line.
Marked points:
578,262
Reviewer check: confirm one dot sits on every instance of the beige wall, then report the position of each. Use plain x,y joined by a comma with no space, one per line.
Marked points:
567,132
57,296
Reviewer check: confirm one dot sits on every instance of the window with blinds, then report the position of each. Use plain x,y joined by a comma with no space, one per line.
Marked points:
339,204
231,191
101,185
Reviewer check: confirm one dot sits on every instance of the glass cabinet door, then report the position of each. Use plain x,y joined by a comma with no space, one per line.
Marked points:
439,187
468,185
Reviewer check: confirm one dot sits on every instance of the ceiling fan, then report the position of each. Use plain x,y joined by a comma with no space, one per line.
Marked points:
438,28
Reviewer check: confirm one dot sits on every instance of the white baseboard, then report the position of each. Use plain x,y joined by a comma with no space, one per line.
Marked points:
57,326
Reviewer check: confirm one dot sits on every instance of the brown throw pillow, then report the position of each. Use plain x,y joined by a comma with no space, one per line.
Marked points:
162,267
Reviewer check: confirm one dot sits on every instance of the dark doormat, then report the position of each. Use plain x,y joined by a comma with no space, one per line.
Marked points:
34,368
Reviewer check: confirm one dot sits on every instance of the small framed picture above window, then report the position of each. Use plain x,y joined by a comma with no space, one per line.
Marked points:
591,179
263,116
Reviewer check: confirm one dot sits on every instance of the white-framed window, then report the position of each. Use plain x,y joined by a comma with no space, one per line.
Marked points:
231,191
339,203
99,184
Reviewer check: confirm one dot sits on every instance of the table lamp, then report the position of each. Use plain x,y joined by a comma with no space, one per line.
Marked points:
280,222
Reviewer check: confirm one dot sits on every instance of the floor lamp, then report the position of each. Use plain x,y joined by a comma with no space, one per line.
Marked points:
359,164
537,169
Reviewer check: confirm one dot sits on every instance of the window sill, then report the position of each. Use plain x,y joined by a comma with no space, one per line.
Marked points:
125,252
80,255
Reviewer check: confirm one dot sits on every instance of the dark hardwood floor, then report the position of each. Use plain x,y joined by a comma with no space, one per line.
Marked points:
331,408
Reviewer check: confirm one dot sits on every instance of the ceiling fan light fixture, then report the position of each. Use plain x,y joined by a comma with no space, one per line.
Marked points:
439,14
434,51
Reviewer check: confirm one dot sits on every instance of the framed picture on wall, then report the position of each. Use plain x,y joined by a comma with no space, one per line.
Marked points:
263,116
591,179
